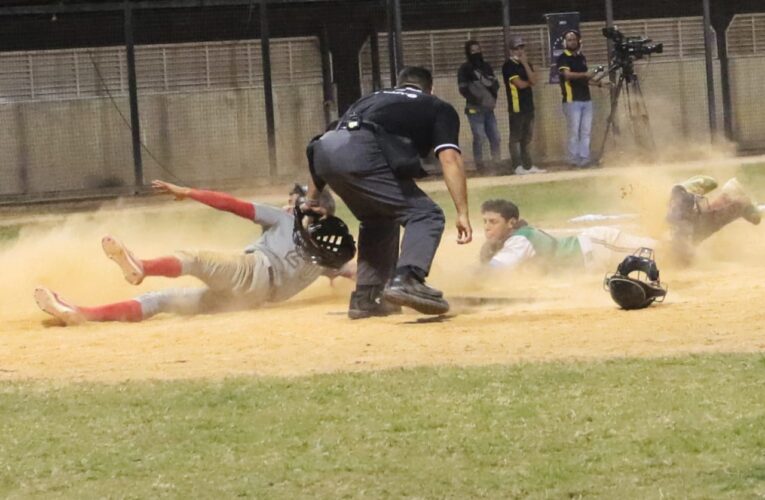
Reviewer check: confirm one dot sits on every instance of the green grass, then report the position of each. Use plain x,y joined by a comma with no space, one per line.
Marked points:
9,233
753,177
687,427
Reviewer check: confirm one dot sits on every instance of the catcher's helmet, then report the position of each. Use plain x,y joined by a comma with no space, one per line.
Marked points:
641,290
323,241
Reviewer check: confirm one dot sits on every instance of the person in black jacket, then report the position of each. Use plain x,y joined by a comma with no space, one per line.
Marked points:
479,87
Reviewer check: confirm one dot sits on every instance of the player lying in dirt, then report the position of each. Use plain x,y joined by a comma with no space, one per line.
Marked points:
695,213
271,269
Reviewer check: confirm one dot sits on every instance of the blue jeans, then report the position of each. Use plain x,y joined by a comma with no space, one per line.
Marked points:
579,121
483,124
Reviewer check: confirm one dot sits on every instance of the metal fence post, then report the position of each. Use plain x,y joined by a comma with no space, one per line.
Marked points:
712,106
506,28
374,50
326,75
265,47
135,123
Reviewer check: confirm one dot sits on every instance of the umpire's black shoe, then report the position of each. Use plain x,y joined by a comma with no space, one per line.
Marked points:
366,304
406,290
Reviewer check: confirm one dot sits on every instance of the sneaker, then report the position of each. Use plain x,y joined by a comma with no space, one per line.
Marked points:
589,164
519,170
408,291
535,170
366,304
131,267
52,304
734,191
699,184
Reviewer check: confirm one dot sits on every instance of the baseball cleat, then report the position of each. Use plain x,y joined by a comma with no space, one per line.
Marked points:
736,193
52,304
408,291
368,304
519,170
131,267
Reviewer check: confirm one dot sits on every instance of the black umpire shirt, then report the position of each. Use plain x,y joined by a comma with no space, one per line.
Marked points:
430,123
573,90
518,100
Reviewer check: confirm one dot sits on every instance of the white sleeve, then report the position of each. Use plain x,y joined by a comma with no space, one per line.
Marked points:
515,251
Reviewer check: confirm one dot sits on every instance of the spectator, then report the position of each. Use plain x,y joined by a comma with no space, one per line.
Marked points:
577,105
479,87
519,77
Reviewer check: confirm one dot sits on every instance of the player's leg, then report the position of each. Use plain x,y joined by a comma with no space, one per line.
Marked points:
70,314
246,274
718,210
177,300
603,246
135,269
240,274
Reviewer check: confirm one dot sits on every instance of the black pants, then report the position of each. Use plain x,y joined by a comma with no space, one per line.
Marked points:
352,164
521,133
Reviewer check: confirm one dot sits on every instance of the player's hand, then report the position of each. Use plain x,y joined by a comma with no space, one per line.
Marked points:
179,192
312,207
464,230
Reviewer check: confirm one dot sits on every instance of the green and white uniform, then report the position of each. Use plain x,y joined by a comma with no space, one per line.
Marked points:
595,247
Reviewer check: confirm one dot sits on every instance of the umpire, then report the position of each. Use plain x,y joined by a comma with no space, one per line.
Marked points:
371,160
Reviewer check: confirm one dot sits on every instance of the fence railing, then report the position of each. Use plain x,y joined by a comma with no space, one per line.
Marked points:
188,67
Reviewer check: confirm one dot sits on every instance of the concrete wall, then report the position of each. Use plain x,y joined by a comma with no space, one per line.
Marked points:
747,95
198,138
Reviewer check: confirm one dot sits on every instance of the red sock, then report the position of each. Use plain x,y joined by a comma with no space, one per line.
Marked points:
169,267
130,310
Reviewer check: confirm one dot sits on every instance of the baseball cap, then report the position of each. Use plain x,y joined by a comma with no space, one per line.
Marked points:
517,41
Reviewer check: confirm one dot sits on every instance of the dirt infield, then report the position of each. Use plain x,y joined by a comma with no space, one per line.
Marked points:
718,305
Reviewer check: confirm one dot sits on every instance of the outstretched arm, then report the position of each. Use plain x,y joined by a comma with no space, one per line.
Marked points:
215,199
454,176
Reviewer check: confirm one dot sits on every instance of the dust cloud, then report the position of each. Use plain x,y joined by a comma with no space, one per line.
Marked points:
715,305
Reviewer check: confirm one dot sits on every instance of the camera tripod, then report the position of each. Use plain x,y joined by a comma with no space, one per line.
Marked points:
637,112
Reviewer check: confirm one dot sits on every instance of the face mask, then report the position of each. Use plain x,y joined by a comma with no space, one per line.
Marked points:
476,58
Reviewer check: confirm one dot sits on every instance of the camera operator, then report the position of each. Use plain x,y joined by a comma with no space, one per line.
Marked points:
575,80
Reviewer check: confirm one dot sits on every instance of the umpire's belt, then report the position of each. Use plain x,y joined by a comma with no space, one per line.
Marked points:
399,151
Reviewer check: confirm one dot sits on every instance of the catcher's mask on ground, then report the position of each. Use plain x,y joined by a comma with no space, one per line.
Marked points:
323,241
635,284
